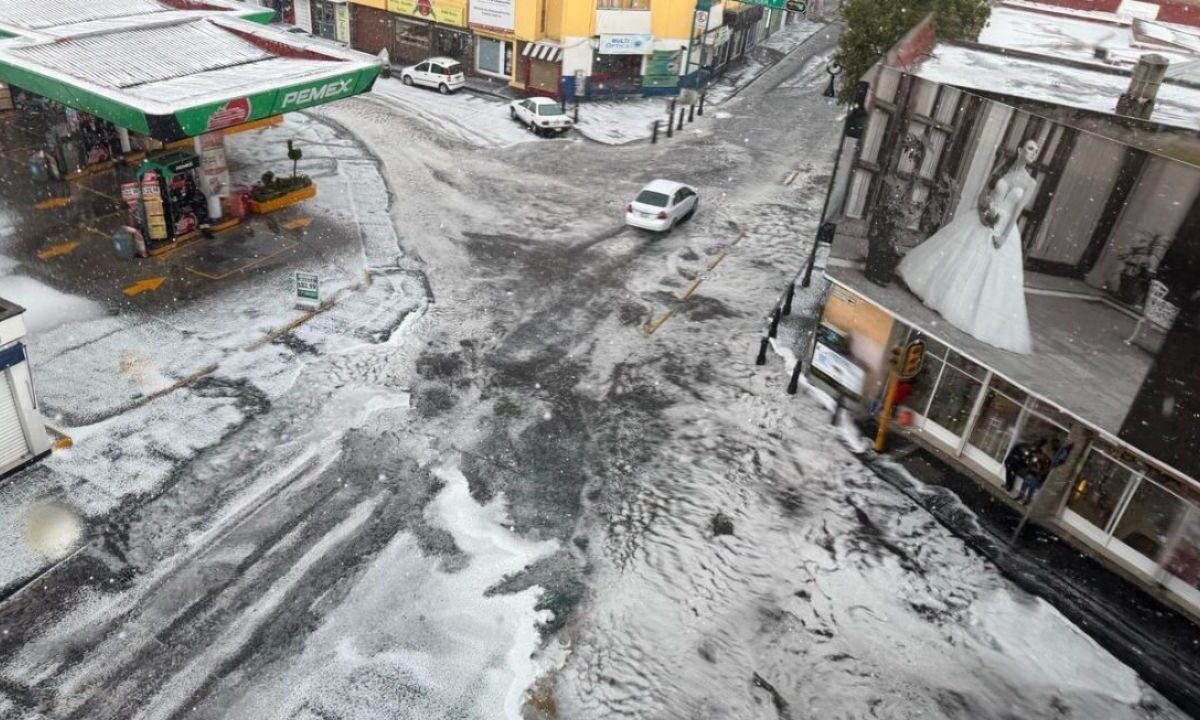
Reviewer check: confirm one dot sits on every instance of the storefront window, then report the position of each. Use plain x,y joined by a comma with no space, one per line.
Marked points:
1148,521
1183,557
956,393
1099,488
993,431
1043,422
492,56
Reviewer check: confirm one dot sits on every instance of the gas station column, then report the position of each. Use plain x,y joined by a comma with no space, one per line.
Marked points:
214,171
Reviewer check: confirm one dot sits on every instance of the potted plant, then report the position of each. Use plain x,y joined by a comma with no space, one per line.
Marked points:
273,193
1140,262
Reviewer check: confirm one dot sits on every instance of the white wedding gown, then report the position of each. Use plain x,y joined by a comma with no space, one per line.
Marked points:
976,286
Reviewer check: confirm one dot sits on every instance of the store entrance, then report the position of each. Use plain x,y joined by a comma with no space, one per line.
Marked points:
976,414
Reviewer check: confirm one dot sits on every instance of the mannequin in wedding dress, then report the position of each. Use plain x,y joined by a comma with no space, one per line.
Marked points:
972,272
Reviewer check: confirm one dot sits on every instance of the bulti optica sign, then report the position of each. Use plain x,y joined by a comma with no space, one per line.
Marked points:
205,118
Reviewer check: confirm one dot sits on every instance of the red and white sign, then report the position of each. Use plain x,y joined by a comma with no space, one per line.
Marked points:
234,112
214,167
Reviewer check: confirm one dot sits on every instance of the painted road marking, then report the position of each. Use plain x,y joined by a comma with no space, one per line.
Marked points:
652,328
55,250
146,285
792,177
55,202
252,263
297,223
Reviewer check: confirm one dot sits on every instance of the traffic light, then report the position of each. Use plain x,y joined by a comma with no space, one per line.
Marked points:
914,355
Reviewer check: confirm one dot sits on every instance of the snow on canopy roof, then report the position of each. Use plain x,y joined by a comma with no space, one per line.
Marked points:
57,17
173,63
1044,80
135,57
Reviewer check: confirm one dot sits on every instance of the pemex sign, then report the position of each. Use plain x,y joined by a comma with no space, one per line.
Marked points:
205,118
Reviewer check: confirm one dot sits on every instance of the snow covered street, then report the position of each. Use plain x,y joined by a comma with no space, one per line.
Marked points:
524,468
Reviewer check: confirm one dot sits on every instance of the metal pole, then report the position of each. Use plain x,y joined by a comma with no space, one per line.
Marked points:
794,383
702,80
654,131
687,61
885,414
681,114
691,113
837,161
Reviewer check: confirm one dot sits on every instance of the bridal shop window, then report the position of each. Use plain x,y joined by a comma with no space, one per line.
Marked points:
994,428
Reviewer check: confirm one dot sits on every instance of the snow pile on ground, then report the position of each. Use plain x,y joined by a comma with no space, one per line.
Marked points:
415,639
45,307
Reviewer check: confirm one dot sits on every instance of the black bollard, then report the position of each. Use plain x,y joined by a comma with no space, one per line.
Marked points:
762,352
671,126
787,303
654,131
837,409
794,383
774,323
680,119
671,110
702,103
576,111
691,113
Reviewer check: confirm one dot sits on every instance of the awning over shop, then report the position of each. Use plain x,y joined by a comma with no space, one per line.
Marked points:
182,74
543,51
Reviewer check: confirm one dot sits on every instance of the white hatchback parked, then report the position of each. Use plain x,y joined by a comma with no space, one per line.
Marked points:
443,73
661,205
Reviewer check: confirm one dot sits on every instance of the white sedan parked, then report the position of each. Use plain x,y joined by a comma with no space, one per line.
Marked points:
444,74
541,115
661,205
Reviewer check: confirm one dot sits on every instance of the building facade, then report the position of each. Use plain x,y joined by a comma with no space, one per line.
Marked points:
556,48
1046,258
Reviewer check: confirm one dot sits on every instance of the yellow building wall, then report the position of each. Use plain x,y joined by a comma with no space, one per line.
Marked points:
527,16
671,18
579,18
377,4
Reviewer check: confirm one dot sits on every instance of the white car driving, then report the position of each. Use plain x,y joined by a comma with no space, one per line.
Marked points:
661,205
443,73
541,115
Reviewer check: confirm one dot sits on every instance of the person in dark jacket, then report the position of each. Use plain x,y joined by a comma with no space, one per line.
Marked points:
1037,467
1014,464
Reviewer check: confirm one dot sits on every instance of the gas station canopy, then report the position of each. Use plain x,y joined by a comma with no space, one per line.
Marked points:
172,69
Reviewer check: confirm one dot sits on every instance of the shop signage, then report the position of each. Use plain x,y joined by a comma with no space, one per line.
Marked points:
626,44
796,6
496,14
341,19
446,12
662,70
234,112
310,95
837,369
214,168
700,21
199,120
308,290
